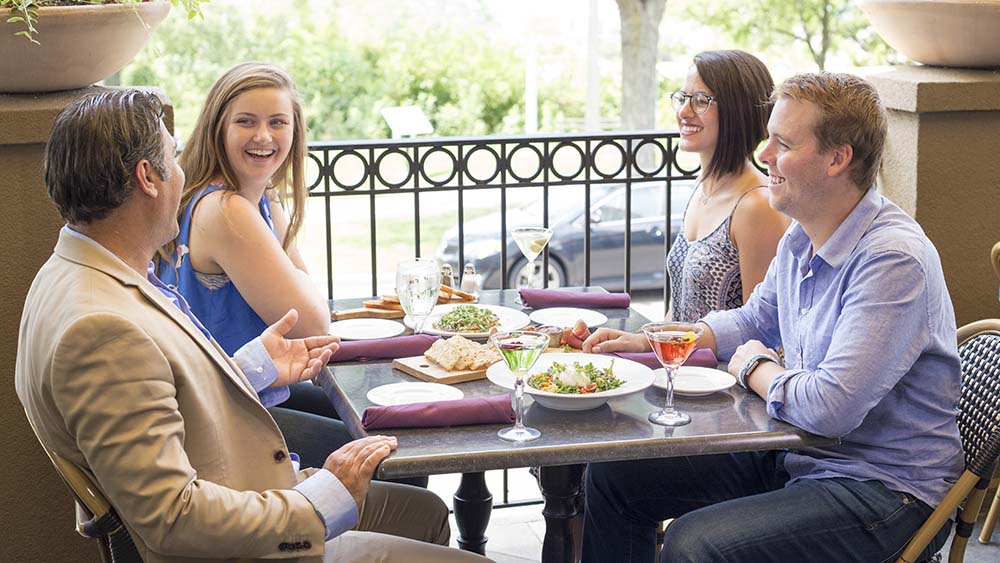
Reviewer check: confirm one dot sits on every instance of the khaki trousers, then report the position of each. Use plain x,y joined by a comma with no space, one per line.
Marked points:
399,523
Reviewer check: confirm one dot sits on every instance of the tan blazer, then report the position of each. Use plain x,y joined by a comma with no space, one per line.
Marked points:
119,381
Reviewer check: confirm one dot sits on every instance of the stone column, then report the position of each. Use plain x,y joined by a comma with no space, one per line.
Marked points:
942,166
38,518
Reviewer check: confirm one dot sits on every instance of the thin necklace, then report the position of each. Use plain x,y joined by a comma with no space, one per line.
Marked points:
702,196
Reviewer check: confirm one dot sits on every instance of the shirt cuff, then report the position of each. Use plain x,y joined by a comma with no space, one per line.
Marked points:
331,500
727,333
259,369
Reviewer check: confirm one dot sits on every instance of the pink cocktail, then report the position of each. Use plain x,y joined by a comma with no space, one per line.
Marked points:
672,342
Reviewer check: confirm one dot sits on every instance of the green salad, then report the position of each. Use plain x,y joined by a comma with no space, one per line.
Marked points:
467,318
576,379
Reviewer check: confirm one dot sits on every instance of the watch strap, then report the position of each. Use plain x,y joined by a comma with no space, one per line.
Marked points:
751,365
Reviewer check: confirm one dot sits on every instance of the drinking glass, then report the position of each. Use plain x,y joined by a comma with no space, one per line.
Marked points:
520,350
672,342
418,282
531,241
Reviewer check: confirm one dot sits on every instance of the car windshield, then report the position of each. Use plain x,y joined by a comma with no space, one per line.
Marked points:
647,201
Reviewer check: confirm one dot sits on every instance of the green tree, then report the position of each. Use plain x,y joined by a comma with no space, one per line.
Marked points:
819,27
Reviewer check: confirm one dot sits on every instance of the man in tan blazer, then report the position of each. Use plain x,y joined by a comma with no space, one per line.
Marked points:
118,376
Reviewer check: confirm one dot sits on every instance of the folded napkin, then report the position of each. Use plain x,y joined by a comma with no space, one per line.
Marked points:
539,298
477,410
384,349
701,357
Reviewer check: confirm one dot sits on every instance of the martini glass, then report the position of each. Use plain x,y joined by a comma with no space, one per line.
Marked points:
418,282
531,241
520,350
672,342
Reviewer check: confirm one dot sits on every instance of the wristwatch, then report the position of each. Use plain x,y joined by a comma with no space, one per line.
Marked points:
751,365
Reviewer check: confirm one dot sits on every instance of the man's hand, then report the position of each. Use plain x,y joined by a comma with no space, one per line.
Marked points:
745,352
355,463
611,340
300,359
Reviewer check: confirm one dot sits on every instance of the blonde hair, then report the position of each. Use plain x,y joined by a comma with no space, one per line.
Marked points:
850,113
204,155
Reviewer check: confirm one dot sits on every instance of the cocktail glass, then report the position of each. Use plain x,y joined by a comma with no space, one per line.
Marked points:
418,282
672,342
531,241
520,350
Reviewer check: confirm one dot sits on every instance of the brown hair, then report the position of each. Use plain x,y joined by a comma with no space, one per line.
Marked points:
95,145
850,113
742,85
204,156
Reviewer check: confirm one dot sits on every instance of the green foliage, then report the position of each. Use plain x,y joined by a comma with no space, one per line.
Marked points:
465,84
26,11
818,28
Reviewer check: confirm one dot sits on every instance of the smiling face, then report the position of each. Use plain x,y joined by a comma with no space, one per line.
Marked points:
259,130
699,133
797,168
171,186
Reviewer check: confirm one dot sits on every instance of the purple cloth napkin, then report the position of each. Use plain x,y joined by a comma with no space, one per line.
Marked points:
384,349
541,298
477,410
701,357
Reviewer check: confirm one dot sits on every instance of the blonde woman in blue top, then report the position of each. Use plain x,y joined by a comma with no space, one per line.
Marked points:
235,260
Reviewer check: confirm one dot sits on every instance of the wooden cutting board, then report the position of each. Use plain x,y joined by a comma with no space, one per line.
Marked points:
426,370
366,313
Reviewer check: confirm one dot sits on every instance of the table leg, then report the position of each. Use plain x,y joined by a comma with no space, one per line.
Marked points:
561,488
473,505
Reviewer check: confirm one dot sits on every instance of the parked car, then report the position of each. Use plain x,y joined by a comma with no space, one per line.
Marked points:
566,249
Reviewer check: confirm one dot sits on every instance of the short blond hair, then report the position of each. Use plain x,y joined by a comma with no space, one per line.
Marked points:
850,113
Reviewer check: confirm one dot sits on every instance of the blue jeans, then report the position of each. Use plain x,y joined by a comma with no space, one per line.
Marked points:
737,508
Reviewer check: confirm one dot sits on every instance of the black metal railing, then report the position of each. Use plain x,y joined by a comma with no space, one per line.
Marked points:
374,168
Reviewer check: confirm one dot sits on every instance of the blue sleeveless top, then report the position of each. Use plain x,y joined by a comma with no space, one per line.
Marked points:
219,305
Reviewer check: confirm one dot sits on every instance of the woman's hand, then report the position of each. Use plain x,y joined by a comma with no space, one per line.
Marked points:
611,340
298,359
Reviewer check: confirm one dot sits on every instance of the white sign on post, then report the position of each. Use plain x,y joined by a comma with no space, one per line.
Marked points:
407,121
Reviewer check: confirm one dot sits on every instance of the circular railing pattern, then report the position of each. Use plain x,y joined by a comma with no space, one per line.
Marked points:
448,164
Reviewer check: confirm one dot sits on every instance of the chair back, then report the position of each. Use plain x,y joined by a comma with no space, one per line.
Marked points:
979,406
95,517
979,426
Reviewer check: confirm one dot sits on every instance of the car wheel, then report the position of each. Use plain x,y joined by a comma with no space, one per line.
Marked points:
517,277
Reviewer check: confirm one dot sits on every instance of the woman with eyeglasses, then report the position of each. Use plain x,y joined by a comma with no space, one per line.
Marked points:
730,231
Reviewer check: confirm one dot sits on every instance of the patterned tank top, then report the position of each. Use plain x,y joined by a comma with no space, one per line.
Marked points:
705,273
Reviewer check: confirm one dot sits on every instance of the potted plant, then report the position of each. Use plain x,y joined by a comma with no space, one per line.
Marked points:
74,43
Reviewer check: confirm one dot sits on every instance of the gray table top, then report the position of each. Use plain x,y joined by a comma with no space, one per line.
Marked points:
729,421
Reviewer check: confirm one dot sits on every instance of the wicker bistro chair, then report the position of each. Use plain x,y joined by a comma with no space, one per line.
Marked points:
979,425
95,517
994,514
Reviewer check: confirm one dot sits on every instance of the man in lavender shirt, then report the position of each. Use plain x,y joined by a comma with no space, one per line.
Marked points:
857,300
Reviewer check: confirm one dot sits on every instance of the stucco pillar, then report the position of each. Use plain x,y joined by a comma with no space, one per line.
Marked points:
942,165
37,519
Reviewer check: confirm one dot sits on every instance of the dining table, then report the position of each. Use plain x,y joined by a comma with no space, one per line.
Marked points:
732,420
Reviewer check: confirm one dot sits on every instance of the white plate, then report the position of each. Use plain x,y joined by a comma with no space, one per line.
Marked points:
566,317
510,319
636,376
365,329
412,392
692,381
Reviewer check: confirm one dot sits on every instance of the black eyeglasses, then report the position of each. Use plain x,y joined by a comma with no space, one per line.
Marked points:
700,101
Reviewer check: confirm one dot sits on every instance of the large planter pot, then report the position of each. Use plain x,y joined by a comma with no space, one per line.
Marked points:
78,45
963,33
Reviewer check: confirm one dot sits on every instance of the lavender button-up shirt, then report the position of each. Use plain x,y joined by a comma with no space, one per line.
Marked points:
870,351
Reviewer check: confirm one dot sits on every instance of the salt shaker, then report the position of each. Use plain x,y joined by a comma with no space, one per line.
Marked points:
447,277
470,283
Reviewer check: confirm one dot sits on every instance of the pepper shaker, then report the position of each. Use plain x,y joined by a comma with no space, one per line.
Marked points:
447,277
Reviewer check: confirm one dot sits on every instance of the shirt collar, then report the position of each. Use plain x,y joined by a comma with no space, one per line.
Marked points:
845,239
150,270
